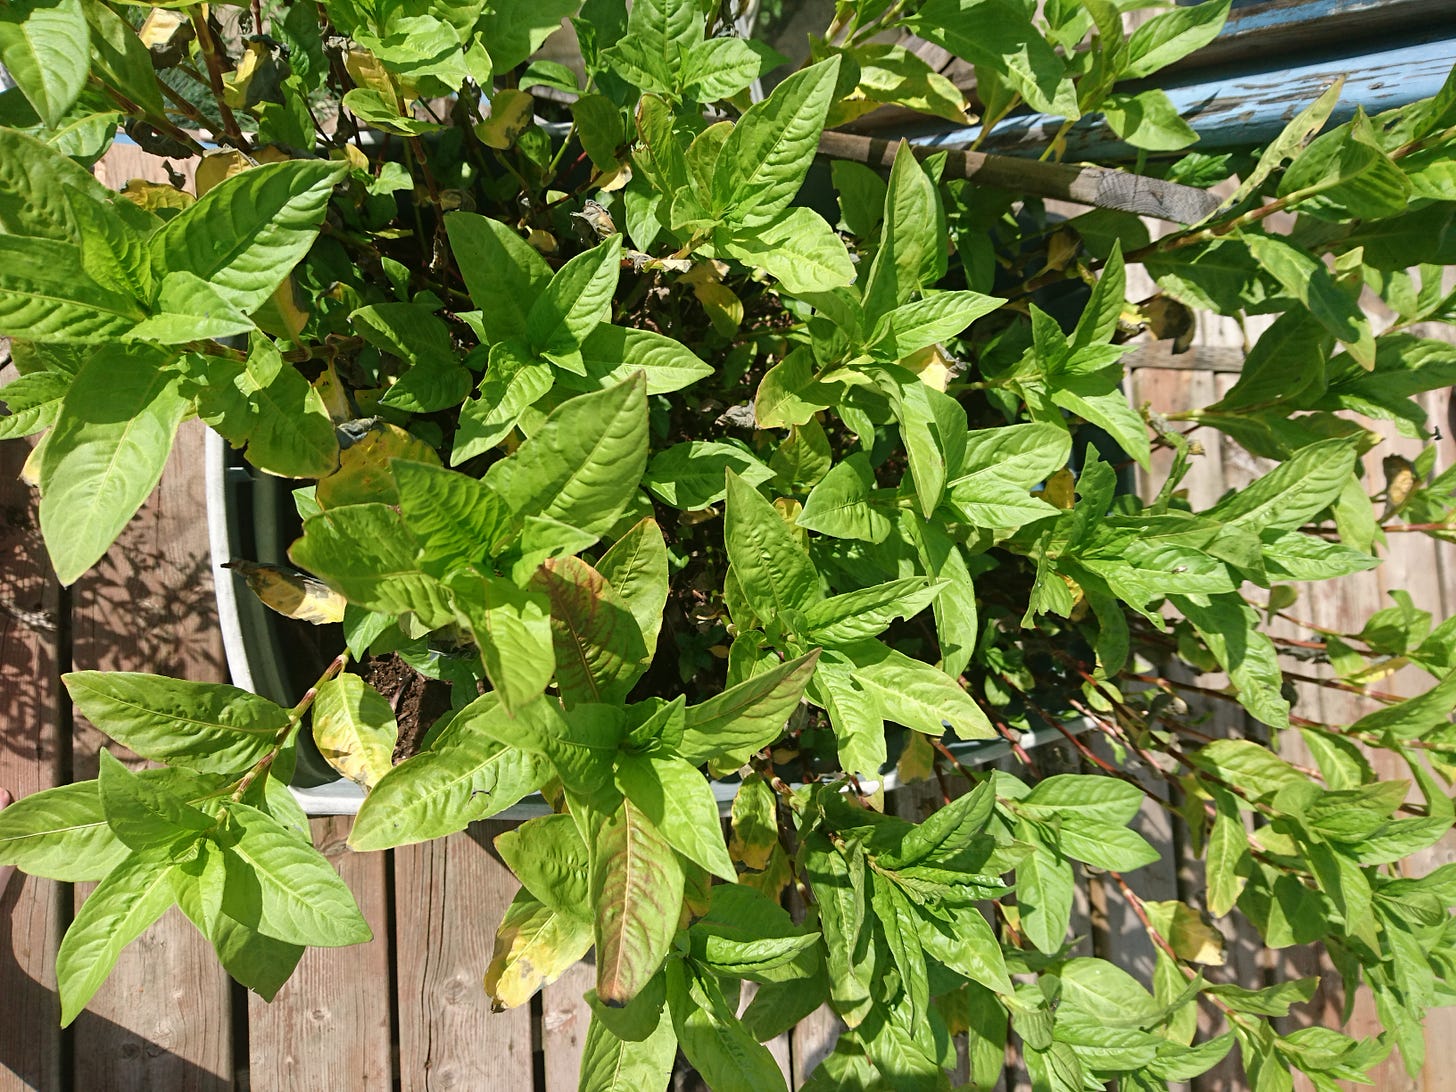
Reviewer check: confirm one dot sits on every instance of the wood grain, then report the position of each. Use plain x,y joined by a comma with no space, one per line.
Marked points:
164,1018
565,1016
31,759
449,898
330,1025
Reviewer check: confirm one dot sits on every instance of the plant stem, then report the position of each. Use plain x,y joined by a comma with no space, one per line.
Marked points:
214,77
294,716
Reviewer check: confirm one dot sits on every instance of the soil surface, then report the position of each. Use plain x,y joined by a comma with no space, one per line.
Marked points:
418,700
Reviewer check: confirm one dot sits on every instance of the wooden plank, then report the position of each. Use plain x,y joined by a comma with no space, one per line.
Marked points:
565,1016
31,759
449,898
812,1039
164,1018
330,1025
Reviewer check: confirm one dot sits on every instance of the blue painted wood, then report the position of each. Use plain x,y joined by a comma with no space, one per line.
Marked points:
1231,107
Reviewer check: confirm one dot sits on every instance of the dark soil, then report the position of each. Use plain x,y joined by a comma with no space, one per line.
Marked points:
418,700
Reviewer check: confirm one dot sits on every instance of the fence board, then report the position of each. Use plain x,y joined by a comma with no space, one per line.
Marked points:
449,897
30,760
163,1019
330,1025
565,1016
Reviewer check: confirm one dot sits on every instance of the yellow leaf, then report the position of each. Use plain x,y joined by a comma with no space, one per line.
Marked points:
217,167
543,241
774,878
1060,489
725,310
511,114
367,71
363,475
355,729
291,593
281,315
755,824
533,947
931,364
155,195
917,760
161,28
1187,932
332,392
235,83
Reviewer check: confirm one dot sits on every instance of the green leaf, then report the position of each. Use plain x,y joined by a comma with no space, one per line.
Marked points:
465,775
917,695
147,815
713,1039
842,505
455,518
514,381
434,379
680,804
1227,857
639,884
1413,717
719,68
551,861
691,475
1230,629
208,727
1148,120
1000,35
1248,765
992,486
797,247
1044,891
765,158
599,127
866,613
120,58
60,834
935,318
45,45
1104,845
582,466
33,402
609,1064
576,301
247,233
285,422
133,895
260,963
534,946
512,626
1273,1000
910,242
966,944
355,729
1105,991
365,552
612,354
504,275
1099,799
636,567
105,454
600,652
788,394
775,572
1173,35
281,886
745,718
513,31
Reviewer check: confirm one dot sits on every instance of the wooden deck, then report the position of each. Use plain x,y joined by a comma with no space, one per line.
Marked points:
408,1010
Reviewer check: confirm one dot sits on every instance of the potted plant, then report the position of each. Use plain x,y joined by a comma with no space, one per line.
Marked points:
664,476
